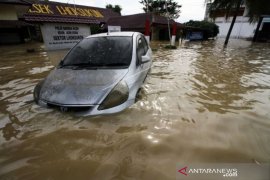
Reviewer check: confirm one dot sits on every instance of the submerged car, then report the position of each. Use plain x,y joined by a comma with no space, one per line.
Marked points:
102,74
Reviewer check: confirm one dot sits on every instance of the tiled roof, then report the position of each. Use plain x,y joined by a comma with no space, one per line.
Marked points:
130,21
138,20
12,23
69,13
15,2
42,18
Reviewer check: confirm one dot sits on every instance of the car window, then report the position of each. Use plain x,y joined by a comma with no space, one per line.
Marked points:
101,51
145,44
140,49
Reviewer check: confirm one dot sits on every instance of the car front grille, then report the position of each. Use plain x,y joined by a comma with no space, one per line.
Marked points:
70,108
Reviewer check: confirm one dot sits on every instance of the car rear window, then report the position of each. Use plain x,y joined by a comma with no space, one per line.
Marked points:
101,52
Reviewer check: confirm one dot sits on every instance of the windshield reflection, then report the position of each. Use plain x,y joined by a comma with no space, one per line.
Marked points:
100,52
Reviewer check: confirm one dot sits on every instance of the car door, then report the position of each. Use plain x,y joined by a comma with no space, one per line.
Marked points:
142,50
139,71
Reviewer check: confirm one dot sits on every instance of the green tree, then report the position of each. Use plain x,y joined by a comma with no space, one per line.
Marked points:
167,8
255,10
210,29
115,8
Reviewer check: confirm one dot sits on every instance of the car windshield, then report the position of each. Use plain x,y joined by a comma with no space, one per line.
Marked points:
105,52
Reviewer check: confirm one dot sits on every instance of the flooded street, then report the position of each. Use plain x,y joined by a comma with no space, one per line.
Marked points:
200,104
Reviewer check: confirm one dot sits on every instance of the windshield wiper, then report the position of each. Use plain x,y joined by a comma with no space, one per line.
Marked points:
94,66
116,64
79,66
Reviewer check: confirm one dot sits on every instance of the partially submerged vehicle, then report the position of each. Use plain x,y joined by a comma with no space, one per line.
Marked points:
102,74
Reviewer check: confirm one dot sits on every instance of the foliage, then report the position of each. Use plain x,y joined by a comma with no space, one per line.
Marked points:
95,29
161,7
115,8
257,8
210,29
228,5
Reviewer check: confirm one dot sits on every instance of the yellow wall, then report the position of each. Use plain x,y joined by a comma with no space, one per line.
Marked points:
8,12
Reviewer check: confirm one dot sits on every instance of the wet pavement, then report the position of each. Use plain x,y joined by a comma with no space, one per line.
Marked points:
200,103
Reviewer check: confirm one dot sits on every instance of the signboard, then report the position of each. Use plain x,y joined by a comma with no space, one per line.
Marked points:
114,29
64,10
63,36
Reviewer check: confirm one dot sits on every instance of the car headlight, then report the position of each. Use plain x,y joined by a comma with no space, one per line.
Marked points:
117,96
37,91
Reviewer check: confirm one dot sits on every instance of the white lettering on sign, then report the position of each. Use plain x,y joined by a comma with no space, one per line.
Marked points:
63,36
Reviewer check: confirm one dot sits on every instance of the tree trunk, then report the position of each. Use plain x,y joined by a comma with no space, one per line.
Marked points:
233,21
257,30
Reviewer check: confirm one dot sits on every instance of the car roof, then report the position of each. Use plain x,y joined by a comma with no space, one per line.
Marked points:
123,33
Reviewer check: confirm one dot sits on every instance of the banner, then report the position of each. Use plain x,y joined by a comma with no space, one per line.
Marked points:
63,36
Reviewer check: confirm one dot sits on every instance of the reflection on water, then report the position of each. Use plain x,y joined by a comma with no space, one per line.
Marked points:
201,103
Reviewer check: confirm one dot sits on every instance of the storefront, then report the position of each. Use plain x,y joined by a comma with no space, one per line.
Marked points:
63,25
13,30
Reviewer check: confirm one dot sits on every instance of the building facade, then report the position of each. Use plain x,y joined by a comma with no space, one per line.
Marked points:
242,27
136,22
63,25
12,28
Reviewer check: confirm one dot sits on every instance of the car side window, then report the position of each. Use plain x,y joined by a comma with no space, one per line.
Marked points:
145,44
142,48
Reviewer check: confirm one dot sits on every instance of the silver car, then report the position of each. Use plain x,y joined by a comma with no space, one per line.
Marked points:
102,74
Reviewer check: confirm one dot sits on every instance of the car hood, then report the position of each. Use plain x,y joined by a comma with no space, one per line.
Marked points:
79,87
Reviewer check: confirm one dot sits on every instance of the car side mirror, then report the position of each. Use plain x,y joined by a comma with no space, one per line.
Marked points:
61,63
145,59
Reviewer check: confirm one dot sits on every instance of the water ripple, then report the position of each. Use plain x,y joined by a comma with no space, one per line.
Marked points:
201,103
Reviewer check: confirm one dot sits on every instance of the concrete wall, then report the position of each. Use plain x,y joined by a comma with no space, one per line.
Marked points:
242,28
8,12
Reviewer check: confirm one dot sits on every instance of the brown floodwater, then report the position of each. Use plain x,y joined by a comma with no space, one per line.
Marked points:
201,103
